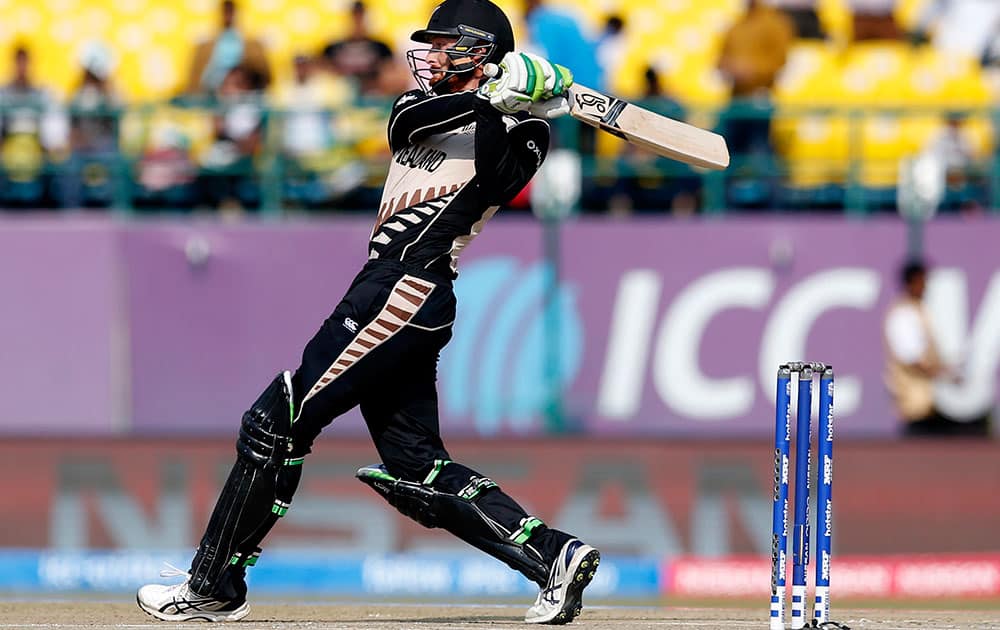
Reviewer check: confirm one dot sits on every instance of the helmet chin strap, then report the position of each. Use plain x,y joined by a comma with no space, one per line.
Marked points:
461,71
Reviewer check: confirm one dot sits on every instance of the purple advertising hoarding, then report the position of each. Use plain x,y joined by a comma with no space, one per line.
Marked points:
61,327
216,311
677,328
670,328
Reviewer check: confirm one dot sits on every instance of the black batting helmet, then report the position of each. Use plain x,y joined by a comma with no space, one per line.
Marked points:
482,35
472,22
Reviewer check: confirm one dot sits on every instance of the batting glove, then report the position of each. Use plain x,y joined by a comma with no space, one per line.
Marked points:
550,109
503,93
524,79
545,79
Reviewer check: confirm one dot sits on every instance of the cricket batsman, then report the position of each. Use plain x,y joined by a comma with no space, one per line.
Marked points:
462,146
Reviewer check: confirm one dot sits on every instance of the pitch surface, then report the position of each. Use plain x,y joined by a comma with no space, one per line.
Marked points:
380,616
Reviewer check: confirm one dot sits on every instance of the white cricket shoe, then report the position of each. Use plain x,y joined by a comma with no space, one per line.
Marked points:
178,602
562,598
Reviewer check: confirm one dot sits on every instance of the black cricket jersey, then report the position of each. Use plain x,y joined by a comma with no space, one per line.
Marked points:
455,161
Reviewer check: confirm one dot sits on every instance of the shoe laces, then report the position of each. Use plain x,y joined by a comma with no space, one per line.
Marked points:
548,594
172,571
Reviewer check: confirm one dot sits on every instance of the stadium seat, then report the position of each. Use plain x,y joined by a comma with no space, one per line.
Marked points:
152,41
680,37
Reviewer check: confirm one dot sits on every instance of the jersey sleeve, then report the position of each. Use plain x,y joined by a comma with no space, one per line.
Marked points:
416,115
509,150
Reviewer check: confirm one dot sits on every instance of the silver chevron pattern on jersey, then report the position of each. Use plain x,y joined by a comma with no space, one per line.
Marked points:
408,224
407,296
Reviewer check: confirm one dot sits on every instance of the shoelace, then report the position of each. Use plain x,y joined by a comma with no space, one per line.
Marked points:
172,571
548,593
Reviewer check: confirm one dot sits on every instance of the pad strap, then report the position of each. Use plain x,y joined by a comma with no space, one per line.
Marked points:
256,494
470,506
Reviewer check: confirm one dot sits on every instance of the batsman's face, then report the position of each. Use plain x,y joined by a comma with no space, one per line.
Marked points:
444,69
438,58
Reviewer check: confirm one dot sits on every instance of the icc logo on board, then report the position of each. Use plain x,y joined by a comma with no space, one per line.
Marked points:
495,370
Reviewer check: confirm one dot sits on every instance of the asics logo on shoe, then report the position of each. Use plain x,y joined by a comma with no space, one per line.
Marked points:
188,605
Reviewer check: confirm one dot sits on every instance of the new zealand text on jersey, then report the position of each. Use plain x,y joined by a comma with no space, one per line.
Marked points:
416,156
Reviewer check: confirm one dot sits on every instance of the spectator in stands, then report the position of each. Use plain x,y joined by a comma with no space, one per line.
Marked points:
873,19
32,129
611,45
754,51
991,52
94,112
228,177
678,185
308,106
94,102
913,362
969,28
804,16
166,174
560,37
655,95
21,88
306,103
953,148
644,182
230,48
363,58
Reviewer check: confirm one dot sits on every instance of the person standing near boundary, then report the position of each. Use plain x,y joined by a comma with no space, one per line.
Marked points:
461,147
913,363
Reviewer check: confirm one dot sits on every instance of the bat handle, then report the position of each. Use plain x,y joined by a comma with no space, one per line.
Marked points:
492,70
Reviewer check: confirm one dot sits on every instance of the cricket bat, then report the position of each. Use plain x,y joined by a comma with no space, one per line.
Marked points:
663,136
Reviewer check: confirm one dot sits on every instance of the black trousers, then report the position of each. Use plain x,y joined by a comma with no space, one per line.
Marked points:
379,349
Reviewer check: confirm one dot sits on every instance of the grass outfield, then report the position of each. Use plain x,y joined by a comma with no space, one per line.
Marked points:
728,614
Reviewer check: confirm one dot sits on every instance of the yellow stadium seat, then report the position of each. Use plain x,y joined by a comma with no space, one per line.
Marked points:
919,129
874,74
815,147
944,80
883,145
908,12
806,77
152,41
835,17
699,86
980,133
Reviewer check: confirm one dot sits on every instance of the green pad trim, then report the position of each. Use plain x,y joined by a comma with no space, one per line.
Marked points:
528,525
280,507
476,487
432,475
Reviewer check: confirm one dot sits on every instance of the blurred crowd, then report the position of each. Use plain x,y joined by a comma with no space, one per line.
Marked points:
235,139
214,146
